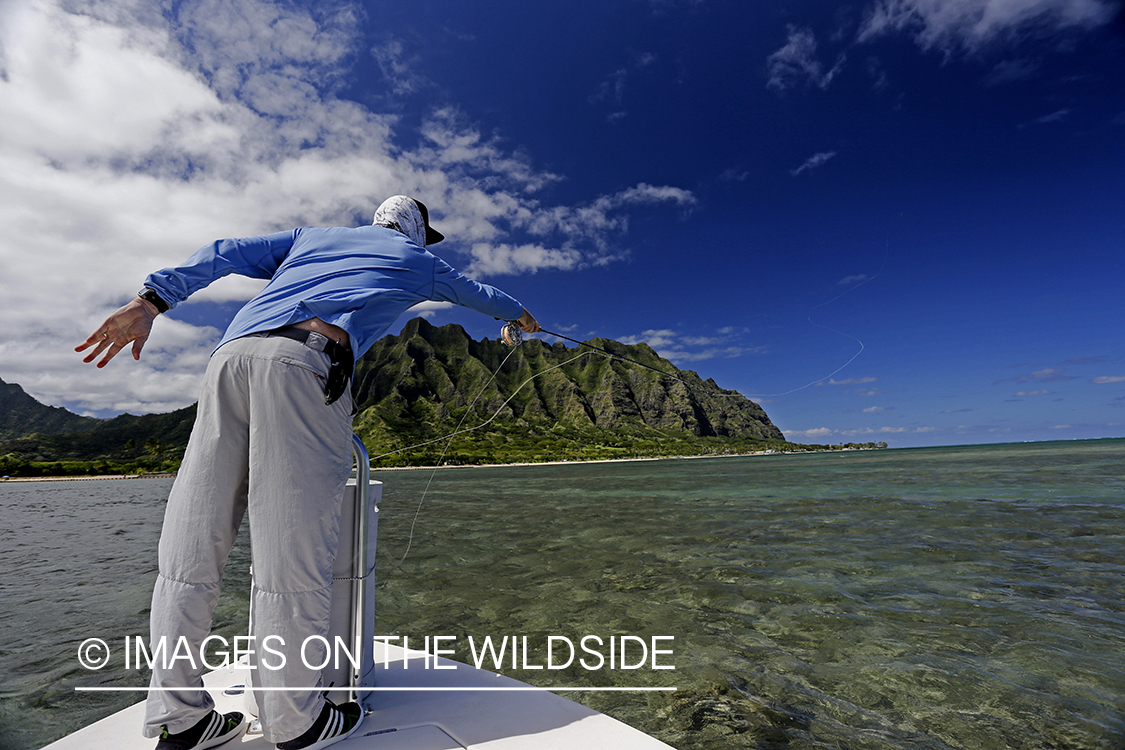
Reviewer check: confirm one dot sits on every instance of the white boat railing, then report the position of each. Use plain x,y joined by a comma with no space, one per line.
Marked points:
351,624
362,624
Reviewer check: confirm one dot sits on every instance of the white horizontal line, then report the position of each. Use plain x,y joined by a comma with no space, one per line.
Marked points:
385,689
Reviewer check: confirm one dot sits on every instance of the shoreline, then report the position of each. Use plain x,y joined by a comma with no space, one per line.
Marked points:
90,478
167,475
519,464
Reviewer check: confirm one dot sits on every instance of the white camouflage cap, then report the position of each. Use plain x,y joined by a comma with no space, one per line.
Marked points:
409,216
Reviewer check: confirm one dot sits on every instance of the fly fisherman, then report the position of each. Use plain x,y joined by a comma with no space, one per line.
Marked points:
273,436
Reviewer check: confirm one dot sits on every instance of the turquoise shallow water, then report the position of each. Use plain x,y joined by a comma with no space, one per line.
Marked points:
926,598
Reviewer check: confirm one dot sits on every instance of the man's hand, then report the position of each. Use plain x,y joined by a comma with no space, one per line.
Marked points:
131,323
528,323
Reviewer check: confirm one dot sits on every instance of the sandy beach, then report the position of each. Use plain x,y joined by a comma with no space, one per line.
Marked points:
161,475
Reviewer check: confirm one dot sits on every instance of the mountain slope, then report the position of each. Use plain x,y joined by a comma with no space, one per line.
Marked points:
20,414
419,385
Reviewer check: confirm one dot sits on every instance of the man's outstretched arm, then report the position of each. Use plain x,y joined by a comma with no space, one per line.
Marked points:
131,323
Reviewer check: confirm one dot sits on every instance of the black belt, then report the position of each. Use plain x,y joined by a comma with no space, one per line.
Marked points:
342,361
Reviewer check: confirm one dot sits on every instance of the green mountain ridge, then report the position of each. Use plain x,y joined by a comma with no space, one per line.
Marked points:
125,444
540,401
433,395
20,414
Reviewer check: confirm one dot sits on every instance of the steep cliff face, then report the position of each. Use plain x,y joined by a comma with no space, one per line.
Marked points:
426,370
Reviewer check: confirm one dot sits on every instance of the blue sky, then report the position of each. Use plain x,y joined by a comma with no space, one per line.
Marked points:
893,220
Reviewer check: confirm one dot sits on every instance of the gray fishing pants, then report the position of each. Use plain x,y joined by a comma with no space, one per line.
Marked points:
265,442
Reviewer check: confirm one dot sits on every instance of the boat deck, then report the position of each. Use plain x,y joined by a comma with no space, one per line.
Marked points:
414,708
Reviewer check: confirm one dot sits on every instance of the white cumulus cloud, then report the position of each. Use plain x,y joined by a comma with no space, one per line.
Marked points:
132,133
815,432
674,346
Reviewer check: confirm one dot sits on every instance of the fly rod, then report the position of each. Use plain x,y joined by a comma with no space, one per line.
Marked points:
513,336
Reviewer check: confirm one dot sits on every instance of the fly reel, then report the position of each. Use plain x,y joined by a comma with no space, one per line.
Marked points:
511,334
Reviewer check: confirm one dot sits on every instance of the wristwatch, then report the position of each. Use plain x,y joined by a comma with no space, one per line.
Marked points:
151,296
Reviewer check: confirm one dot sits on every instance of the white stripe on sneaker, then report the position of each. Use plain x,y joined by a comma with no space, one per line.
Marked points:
333,725
213,728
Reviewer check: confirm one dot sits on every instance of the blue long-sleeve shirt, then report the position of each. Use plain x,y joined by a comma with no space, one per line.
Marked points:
360,279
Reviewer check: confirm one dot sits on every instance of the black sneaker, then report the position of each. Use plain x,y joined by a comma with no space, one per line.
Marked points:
335,723
209,731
